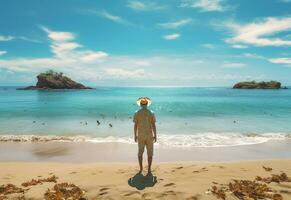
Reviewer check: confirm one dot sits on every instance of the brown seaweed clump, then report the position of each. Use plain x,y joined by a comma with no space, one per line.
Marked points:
219,192
246,189
274,178
9,189
268,169
64,191
250,189
53,179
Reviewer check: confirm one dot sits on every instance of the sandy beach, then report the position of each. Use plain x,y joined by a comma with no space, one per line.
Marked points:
169,180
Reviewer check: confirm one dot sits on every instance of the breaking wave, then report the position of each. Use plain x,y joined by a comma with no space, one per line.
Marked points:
184,141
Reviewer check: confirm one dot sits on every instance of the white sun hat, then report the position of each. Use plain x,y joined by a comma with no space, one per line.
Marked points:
144,101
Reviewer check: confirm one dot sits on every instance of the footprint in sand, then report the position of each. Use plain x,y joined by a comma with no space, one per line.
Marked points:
180,167
193,197
73,173
103,189
103,193
169,184
132,193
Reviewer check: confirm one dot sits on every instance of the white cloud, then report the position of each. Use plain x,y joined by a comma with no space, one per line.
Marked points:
175,24
208,46
204,5
253,55
111,17
239,46
4,38
173,36
2,53
286,61
58,36
10,37
144,6
258,33
66,53
125,73
142,63
233,65
28,39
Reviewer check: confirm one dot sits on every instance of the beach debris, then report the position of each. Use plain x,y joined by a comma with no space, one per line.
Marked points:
268,169
64,191
248,189
10,189
169,184
219,192
274,178
110,125
277,197
52,178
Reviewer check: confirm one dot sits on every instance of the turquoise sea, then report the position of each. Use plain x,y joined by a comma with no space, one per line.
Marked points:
186,116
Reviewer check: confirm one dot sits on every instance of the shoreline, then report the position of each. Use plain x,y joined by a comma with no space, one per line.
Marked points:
175,180
86,152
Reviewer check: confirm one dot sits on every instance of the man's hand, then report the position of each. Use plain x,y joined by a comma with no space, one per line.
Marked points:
155,138
135,138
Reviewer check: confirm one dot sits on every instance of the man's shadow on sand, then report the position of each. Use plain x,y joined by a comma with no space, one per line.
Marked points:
140,182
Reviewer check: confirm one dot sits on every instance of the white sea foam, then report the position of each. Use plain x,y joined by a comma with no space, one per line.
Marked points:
182,141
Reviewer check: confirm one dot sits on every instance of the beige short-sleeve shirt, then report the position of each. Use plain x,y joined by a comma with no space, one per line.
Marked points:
144,119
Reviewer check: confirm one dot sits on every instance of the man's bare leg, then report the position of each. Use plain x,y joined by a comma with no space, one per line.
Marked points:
150,159
140,163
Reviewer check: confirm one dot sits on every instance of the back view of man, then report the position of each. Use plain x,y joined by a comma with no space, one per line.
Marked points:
145,131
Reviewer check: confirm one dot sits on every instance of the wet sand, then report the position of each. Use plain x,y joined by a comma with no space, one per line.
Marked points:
121,152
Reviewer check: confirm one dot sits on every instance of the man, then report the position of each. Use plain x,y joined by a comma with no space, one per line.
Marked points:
145,131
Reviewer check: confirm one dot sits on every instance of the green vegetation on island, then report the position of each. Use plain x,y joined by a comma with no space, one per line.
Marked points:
55,80
258,85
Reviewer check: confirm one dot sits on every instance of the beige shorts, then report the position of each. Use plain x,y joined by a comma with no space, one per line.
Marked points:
147,142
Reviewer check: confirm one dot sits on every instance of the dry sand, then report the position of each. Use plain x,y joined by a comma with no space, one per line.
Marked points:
175,180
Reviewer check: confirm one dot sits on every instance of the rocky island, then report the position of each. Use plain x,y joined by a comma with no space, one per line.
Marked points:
54,80
258,85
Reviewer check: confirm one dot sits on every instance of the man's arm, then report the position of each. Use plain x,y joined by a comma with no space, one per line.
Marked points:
135,131
155,131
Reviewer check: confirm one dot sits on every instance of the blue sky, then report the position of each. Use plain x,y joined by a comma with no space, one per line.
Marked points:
150,42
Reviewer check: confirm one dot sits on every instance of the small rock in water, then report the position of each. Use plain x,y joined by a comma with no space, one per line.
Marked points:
86,123
110,125
34,122
98,122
